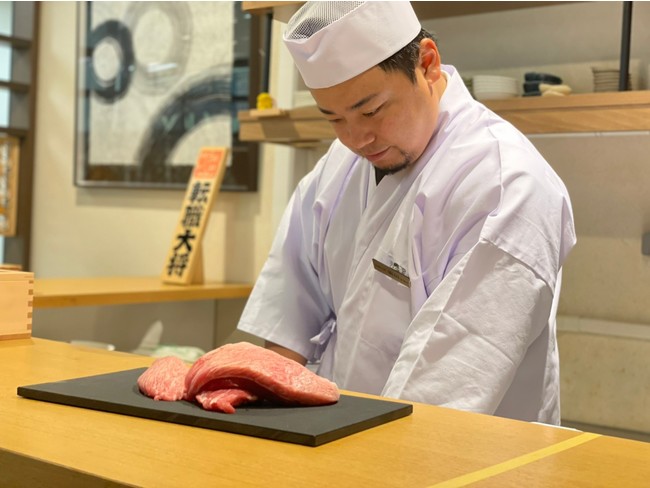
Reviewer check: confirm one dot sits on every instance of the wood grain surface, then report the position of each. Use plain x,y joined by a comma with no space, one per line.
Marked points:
71,292
44,444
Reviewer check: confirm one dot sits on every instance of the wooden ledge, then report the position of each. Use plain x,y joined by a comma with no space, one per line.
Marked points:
585,112
73,292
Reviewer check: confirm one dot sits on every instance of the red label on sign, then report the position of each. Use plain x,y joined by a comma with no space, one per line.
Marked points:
208,163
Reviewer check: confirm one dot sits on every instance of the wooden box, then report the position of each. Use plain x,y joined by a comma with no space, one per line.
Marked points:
16,302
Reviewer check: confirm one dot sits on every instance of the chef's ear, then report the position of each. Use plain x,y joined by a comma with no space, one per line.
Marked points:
429,59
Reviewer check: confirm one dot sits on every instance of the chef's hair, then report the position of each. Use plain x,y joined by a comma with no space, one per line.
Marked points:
406,59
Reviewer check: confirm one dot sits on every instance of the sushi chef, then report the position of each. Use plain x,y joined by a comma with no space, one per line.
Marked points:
421,258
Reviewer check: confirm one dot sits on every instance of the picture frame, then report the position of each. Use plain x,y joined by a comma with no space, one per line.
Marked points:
156,81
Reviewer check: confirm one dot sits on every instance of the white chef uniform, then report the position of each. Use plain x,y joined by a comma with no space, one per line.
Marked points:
474,235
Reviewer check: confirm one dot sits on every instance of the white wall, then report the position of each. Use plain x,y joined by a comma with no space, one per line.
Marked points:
570,38
114,232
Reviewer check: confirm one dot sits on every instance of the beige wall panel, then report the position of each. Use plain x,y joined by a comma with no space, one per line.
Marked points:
608,176
605,380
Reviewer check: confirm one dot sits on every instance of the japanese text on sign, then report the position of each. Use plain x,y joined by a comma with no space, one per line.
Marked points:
199,198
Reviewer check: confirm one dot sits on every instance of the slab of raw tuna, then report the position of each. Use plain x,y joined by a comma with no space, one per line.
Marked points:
261,372
164,379
224,400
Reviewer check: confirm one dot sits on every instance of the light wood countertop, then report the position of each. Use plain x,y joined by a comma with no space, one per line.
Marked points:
45,444
71,292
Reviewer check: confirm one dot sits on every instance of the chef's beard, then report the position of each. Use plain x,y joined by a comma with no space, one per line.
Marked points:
407,160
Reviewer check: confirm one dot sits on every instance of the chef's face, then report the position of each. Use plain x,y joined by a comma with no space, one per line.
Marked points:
383,116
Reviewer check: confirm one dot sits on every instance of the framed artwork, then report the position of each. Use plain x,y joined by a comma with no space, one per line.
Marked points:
159,80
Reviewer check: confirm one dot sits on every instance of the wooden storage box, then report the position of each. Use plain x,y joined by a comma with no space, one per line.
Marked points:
16,301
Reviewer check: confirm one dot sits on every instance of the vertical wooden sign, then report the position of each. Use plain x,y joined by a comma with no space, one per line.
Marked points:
184,263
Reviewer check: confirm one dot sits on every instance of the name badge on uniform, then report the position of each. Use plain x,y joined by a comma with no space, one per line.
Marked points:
396,272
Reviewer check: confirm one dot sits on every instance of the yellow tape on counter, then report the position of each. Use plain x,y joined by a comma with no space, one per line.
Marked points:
513,463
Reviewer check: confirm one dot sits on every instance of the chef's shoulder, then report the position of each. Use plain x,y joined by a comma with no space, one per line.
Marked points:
521,160
470,175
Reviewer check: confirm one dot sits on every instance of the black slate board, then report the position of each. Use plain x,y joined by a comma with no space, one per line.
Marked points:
309,426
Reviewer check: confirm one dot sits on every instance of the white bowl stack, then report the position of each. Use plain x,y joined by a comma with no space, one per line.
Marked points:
491,87
606,80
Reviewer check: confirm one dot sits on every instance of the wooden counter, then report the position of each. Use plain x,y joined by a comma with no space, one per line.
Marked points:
43,444
70,292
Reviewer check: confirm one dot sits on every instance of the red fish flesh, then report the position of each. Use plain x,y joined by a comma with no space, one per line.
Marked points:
164,379
261,372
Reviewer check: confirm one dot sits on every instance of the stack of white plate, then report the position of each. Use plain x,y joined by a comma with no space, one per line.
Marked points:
490,87
606,80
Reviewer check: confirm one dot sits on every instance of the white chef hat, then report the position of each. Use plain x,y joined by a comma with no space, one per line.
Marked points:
332,42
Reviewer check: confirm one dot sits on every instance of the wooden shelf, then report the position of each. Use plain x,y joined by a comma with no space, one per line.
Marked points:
298,126
16,42
74,292
261,8
15,86
12,131
424,10
23,43
588,112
